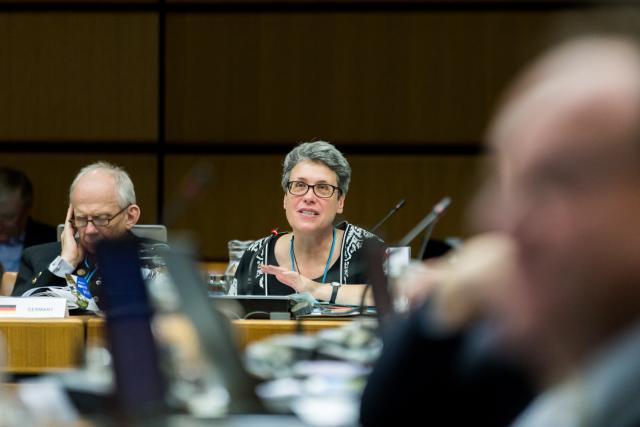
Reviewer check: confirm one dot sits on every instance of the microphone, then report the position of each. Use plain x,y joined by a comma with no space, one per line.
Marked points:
388,215
193,184
429,220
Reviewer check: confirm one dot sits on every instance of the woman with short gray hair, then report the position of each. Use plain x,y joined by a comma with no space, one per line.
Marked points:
316,256
319,152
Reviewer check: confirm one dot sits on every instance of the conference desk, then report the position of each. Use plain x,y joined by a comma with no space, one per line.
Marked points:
42,345
48,345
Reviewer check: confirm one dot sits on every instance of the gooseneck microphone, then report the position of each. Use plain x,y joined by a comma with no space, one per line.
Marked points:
429,220
391,213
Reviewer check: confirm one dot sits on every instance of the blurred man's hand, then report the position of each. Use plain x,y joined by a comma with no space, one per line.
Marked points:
464,284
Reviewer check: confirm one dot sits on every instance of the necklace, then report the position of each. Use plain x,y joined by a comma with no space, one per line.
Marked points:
294,261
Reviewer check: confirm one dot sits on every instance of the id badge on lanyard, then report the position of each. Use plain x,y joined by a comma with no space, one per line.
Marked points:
83,287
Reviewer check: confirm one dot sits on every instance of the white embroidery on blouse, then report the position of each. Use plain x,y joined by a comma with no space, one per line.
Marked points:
354,241
257,247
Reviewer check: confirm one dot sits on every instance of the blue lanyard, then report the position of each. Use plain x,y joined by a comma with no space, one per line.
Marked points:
82,282
326,267
89,275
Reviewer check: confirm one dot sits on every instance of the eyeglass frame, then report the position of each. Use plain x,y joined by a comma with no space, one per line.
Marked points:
92,220
313,187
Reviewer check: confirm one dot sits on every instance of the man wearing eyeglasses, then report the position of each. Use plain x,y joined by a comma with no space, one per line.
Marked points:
102,206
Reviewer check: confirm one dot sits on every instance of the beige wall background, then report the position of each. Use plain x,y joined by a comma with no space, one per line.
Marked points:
406,94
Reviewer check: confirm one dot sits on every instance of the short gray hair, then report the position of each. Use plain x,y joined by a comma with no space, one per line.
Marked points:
319,152
124,186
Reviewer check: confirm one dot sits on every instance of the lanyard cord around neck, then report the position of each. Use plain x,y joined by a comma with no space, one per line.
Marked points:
89,274
294,262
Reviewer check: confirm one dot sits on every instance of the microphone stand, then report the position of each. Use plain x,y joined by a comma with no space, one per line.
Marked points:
425,240
427,221
388,215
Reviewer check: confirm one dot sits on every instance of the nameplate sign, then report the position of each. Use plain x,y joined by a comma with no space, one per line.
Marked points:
33,308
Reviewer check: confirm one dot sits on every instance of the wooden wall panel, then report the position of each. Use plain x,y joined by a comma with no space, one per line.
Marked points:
355,77
347,77
79,3
244,198
78,76
52,174
379,182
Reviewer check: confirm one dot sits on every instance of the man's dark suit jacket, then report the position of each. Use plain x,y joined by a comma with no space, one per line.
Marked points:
37,233
436,378
34,267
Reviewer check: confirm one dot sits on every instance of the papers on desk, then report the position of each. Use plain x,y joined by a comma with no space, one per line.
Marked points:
75,299
33,308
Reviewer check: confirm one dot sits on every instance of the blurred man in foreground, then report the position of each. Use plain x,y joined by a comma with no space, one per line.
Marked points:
563,297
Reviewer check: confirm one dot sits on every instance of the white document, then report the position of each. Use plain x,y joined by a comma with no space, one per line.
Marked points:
75,299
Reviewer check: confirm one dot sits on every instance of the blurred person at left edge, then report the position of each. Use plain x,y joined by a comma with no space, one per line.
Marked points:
17,229
102,205
328,261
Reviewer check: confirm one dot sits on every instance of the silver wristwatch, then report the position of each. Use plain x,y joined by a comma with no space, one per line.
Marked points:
334,291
